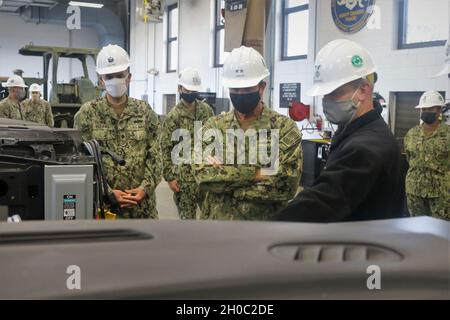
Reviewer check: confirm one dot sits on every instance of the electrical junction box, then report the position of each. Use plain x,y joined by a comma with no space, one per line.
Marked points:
69,192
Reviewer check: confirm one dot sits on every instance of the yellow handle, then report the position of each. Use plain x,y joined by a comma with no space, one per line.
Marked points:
108,215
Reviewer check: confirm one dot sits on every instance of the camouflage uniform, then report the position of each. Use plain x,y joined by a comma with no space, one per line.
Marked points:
183,118
39,112
10,109
134,136
231,190
428,178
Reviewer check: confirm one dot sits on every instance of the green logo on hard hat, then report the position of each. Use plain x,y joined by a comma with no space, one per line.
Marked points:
357,61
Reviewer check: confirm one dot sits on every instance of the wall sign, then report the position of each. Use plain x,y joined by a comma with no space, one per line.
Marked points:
350,16
289,92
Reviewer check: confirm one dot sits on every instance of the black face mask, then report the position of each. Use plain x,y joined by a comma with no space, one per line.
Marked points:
429,117
245,103
189,97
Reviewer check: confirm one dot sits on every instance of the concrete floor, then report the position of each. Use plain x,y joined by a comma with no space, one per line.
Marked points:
164,202
165,205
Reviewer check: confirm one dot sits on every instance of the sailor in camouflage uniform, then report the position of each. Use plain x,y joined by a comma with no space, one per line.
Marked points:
10,107
248,191
129,128
36,109
183,116
427,149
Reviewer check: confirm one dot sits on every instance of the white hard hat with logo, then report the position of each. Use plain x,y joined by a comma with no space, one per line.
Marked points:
112,59
446,69
341,61
431,99
190,79
244,68
35,88
15,81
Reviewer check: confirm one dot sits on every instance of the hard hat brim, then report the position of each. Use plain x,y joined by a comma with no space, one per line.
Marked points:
16,86
111,70
429,106
191,87
320,90
242,83
324,88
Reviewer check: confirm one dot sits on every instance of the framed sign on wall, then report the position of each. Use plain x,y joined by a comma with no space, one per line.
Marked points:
289,92
351,16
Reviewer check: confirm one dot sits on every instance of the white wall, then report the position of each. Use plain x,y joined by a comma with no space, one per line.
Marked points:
294,70
399,70
16,33
195,41
148,52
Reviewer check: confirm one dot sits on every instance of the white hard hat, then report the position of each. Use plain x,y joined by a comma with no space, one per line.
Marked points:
446,69
431,99
244,68
190,79
112,59
340,62
15,81
35,88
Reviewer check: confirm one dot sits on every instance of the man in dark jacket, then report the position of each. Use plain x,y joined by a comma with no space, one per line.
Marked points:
362,179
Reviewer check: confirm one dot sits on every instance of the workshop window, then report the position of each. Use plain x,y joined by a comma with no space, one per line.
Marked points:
172,38
423,23
219,34
295,29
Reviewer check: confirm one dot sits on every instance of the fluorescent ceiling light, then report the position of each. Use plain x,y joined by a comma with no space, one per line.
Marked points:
86,4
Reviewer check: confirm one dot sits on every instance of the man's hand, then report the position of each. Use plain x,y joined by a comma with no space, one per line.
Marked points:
173,185
123,201
134,196
259,177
